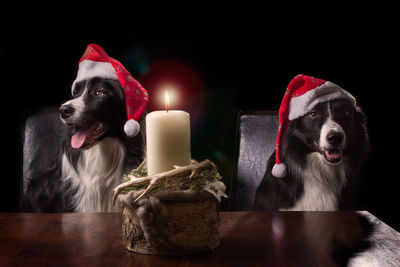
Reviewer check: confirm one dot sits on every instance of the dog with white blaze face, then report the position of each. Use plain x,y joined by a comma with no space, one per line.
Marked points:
322,142
103,138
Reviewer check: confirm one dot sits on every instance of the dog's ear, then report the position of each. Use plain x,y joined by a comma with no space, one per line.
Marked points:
360,135
360,116
361,121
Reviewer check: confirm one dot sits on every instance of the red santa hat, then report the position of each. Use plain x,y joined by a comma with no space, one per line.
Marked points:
96,63
302,94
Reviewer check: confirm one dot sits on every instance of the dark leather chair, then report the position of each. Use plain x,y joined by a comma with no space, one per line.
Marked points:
42,135
257,131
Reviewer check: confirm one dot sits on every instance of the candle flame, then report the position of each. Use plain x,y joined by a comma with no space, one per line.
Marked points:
166,100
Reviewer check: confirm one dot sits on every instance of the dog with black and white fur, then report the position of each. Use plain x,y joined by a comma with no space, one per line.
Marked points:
104,138
321,145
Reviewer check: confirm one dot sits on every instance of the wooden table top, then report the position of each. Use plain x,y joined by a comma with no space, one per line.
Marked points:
247,239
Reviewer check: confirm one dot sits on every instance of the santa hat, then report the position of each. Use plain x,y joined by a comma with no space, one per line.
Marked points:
96,63
302,94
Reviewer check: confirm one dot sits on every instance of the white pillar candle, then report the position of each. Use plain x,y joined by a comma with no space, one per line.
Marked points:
168,140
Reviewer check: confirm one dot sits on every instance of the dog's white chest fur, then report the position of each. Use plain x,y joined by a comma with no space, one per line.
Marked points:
99,170
322,184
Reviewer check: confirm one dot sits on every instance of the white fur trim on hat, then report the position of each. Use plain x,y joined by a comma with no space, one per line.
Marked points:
131,128
303,104
279,170
89,69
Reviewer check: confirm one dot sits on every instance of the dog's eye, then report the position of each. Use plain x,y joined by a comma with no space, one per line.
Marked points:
313,114
346,111
100,93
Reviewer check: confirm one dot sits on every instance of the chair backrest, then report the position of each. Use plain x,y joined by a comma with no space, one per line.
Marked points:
42,135
257,137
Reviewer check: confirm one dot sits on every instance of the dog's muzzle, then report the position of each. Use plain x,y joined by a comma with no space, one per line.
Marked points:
332,142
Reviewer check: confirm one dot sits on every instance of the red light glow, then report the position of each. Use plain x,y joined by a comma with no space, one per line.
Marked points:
184,86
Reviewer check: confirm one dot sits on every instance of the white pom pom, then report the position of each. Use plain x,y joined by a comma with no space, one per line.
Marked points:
131,128
279,170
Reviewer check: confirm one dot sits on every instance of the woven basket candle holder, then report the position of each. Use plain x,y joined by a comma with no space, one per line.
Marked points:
175,212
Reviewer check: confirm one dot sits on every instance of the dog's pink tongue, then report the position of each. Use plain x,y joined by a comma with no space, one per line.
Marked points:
78,139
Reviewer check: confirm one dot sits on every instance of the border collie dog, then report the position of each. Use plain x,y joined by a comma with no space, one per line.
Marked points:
94,154
98,147
323,149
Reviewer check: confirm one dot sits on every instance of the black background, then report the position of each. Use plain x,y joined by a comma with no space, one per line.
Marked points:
244,57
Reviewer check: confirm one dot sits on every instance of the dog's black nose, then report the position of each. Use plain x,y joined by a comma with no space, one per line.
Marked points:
335,138
66,111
